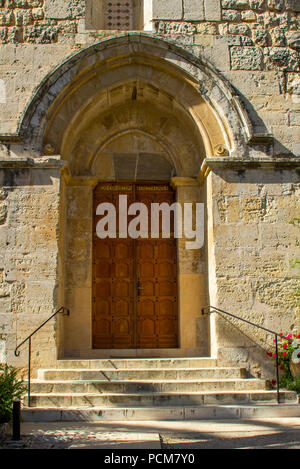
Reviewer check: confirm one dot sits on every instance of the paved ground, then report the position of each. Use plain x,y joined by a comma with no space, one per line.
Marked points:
257,434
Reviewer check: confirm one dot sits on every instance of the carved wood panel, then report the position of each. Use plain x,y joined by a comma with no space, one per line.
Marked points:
134,281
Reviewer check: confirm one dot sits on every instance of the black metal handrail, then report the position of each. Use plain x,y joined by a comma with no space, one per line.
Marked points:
213,309
62,310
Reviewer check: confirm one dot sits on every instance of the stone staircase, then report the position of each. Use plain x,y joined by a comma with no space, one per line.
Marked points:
151,389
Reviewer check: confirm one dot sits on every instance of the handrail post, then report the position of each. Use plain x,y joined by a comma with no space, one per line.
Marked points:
65,312
220,311
29,371
277,371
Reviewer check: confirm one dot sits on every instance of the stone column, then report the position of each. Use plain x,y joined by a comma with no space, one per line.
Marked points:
78,241
192,279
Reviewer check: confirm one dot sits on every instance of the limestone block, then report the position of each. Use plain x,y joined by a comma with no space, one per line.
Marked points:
239,29
42,34
24,17
78,273
235,4
294,118
292,5
79,249
6,17
206,29
258,5
212,9
248,15
35,3
228,262
235,291
79,202
281,236
276,5
294,41
236,235
194,10
231,15
282,58
265,264
167,9
278,36
57,9
246,58
277,293
191,260
253,209
172,28
233,354
5,306
27,3
262,37
38,13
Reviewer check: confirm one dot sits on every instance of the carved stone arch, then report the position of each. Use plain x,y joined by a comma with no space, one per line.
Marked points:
87,83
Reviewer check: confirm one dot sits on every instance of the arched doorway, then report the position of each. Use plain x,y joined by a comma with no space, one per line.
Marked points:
132,109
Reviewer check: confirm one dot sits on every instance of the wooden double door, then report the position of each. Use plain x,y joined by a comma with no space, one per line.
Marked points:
135,302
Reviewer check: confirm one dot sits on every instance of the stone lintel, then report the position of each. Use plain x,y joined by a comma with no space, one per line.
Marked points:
7,139
32,163
213,163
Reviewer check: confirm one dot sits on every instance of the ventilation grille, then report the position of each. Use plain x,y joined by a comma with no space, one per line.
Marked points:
119,15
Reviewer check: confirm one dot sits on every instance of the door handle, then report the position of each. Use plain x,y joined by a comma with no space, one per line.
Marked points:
139,288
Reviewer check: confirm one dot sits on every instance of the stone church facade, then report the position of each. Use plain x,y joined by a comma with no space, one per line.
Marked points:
200,98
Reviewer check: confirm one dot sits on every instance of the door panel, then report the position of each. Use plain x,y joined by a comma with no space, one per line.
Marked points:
134,281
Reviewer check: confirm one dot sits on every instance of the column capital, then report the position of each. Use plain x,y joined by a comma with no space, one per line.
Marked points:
184,182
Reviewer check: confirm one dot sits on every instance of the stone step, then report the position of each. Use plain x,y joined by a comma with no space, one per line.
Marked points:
105,386
204,412
140,374
135,363
156,399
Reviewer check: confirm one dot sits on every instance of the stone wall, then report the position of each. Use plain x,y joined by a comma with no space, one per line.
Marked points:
255,244
255,46
254,43
28,259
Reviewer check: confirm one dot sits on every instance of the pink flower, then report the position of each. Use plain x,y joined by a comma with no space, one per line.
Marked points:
289,336
274,355
284,346
284,354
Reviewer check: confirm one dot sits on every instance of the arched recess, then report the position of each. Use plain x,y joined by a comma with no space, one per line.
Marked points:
140,101
93,80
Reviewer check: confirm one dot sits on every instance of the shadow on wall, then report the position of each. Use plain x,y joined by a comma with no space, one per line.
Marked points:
28,177
249,350
275,148
259,175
